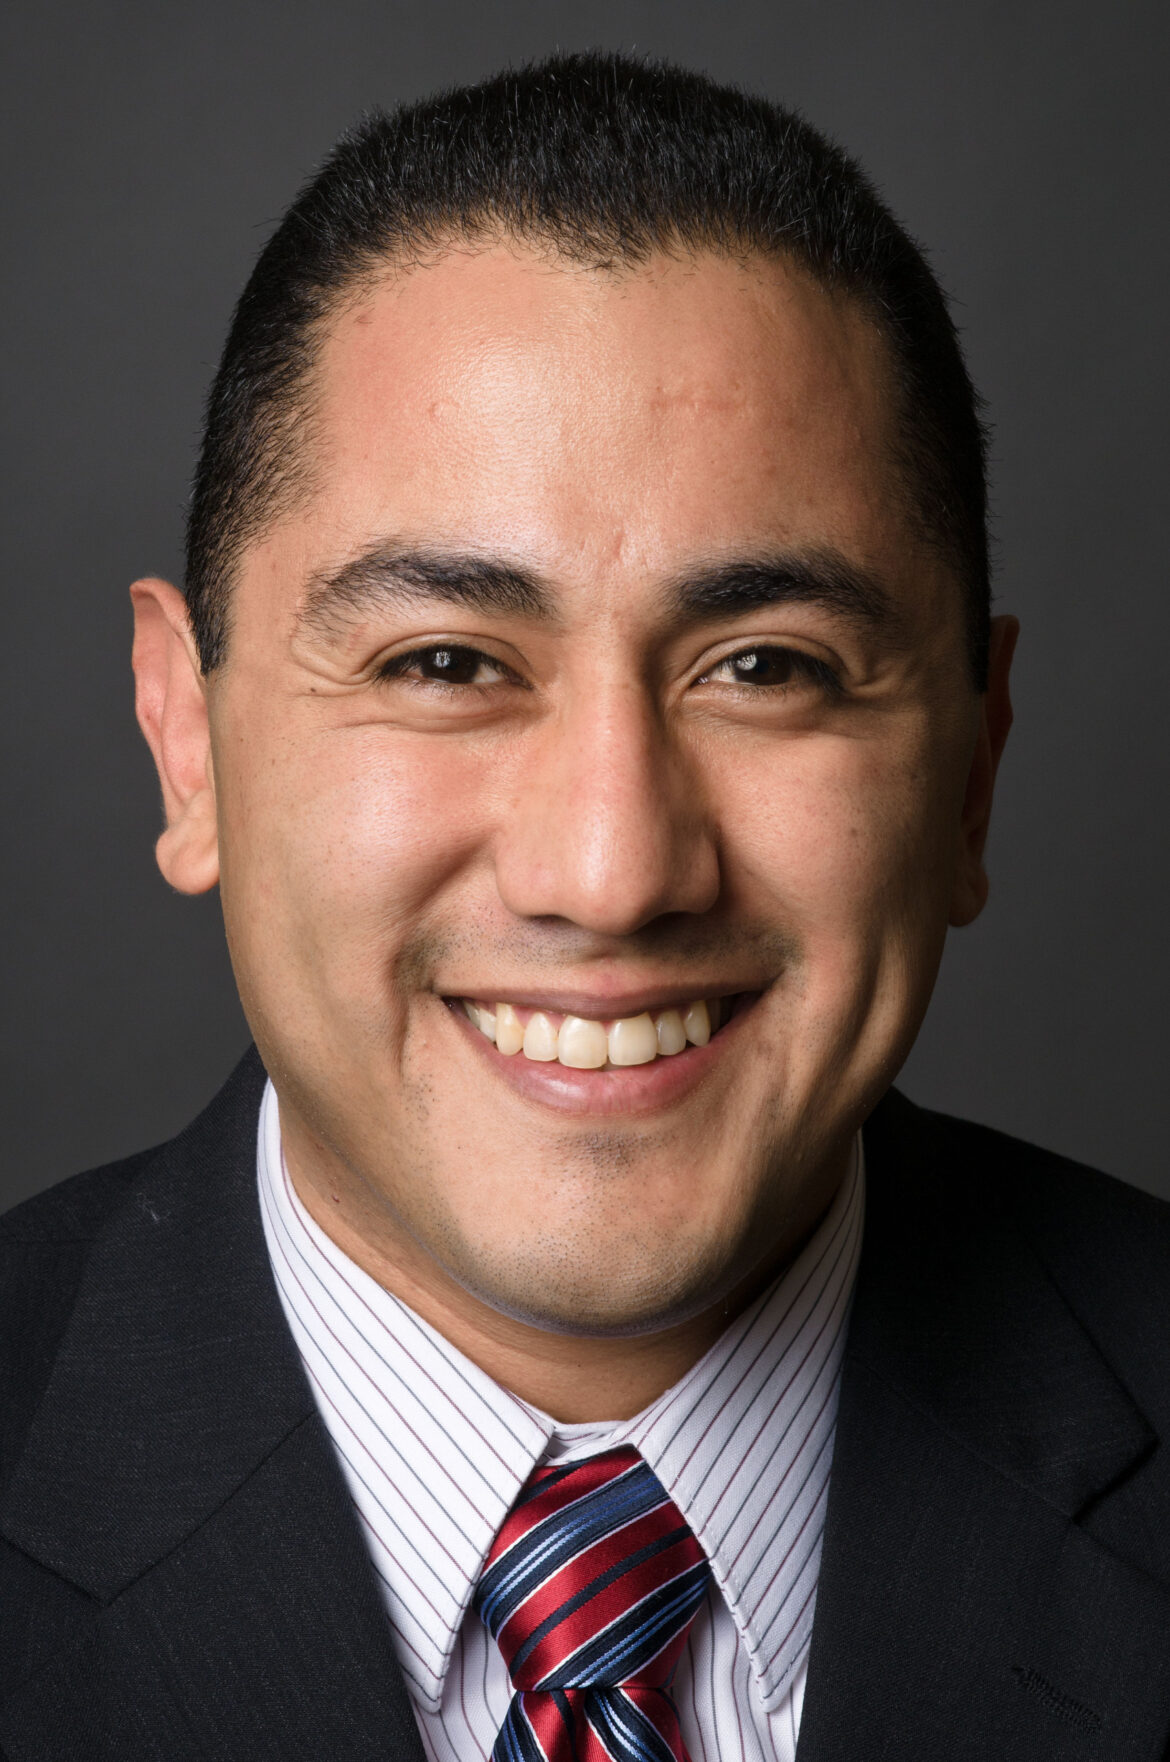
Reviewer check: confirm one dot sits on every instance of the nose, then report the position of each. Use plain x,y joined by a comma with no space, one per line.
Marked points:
607,828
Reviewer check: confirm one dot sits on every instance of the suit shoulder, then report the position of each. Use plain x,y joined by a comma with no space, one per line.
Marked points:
44,1246
51,1243
1057,1196
1104,1244
74,1210
978,1165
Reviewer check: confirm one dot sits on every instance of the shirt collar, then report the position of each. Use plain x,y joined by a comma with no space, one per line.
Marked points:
744,1442
435,1452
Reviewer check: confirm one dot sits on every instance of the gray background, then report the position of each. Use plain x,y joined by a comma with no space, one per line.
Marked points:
150,147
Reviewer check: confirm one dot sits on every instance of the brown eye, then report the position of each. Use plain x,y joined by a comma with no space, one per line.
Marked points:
445,663
762,667
452,665
771,665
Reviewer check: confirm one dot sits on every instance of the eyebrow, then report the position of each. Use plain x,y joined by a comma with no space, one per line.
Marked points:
821,578
406,576
394,575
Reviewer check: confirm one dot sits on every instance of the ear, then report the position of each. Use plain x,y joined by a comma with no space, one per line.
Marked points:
171,703
969,895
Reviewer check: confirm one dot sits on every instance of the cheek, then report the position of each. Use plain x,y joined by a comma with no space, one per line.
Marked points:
337,848
842,844
843,838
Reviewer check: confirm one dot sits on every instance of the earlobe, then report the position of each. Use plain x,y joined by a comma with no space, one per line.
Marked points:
171,704
969,894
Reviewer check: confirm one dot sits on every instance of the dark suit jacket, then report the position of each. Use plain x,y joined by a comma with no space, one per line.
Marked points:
181,1575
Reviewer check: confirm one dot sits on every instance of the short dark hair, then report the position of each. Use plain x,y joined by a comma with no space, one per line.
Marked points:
606,159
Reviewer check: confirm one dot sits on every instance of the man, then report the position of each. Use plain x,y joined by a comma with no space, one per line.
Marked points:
558,1339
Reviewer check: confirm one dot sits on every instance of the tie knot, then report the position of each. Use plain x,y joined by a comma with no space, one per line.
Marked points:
594,1578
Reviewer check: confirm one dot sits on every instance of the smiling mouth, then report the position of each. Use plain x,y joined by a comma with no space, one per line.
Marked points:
584,1043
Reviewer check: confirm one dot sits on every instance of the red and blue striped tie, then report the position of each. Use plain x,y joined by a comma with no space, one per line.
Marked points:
589,1589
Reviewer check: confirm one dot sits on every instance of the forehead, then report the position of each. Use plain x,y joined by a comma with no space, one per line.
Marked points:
596,421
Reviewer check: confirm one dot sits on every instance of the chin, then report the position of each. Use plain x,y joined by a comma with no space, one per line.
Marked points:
606,1292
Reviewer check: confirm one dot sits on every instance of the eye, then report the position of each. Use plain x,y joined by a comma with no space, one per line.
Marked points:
446,663
768,665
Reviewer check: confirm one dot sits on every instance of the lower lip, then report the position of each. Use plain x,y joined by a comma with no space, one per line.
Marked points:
638,1089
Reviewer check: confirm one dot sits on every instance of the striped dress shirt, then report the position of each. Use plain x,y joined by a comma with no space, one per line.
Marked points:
435,1452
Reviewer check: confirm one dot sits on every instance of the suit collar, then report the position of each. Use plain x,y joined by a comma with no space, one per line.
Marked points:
956,1312
961,1608
176,1375
177,1471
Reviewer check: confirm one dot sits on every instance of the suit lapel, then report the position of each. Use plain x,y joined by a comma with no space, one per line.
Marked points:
178,1473
962,1611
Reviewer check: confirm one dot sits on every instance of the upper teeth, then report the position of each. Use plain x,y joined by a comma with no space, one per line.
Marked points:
587,1045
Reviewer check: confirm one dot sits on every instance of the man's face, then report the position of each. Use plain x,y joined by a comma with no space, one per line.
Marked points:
601,673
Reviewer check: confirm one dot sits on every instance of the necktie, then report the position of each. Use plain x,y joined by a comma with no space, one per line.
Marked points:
589,1590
